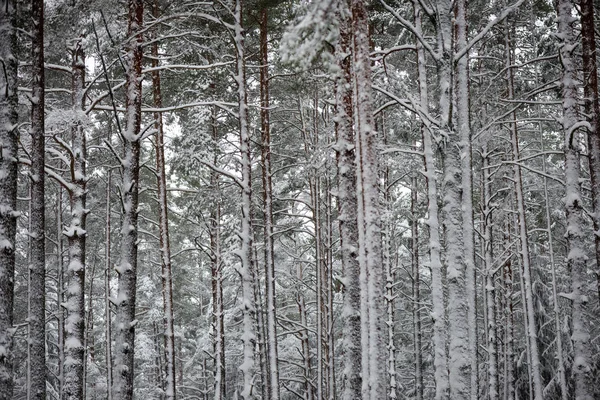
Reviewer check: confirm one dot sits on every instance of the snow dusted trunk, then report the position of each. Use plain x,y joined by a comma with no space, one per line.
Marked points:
524,247
8,191
463,125
163,223
268,210
127,267
416,290
369,219
75,232
306,364
507,310
490,287
564,393
592,109
576,258
217,277
37,269
458,326
107,311
245,270
438,313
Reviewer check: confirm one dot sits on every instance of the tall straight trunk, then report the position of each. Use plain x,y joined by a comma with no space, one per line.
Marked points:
107,311
37,268
524,254
245,270
509,340
490,286
463,124
268,209
562,378
127,266
416,289
576,258
458,327
347,214
73,386
440,338
368,204
217,277
163,223
592,110
9,137
60,291
305,344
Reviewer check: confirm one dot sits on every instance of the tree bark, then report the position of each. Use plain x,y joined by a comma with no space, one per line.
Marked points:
369,220
163,223
37,268
270,305
127,267
245,270
76,234
9,137
592,110
576,258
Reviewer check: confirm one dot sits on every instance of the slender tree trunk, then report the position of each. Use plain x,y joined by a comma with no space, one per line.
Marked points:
576,258
107,311
9,136
217,278
463,124
490,286
73,387
127,267
163,222
347,216
440,362
369,219
524,254
60,291
300,300
564,393
592,109
268,210
509,341
37,269
247,368
416,290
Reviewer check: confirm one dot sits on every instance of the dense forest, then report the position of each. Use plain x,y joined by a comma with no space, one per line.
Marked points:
299,199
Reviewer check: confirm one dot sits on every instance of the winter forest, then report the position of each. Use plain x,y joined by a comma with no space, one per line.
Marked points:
299,199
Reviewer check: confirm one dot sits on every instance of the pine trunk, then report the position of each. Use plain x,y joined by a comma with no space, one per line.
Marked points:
163,223
76,234
245,270
347,217
9,137
440,338
368,205
524,254
37,269
127,268
592,110
575,235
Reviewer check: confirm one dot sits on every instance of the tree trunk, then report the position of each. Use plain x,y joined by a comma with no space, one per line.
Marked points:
163,223
347,216
245,270
107,311
463,125
416,290
268,210
576,258
37,269
525,258
76,234
592,110
127,267
9,136
369,219
440,338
